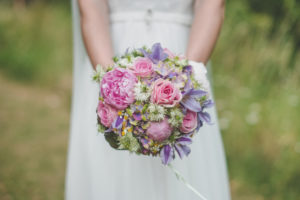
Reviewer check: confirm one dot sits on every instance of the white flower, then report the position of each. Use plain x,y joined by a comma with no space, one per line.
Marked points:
125,61
142,92
98,73
200,74
182,62
176,117
156,112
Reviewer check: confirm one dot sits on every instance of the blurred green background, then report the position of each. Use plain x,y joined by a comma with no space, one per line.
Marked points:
256,69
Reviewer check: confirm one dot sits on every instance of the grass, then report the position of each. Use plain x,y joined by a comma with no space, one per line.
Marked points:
35,43
258,102
257,96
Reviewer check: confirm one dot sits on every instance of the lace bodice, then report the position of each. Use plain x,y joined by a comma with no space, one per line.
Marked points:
174,6
148,11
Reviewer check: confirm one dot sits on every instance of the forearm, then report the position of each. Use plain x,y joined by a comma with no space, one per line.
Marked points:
208,20
95,31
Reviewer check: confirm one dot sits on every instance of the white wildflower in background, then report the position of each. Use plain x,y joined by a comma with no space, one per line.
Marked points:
156,112
176,117
142,92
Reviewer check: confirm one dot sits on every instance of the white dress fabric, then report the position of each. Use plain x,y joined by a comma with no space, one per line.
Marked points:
95,171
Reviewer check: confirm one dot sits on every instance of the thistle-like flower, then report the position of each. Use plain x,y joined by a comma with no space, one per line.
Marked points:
142,92
176,117
156,112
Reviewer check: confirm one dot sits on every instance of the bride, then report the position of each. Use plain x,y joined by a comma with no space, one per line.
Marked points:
104,28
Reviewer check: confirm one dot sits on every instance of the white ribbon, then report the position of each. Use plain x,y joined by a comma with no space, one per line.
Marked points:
181,178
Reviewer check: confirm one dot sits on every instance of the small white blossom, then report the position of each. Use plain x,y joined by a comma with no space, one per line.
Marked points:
176,117
182,62
98,74
124,62
142,92
156,112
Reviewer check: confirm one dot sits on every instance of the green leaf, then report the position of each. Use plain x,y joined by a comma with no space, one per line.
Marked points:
112,139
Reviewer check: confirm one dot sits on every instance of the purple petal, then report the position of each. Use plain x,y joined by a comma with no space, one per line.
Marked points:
204,116
199,123
188,70
137,116
191,104
197,93
166,154
117,123
144,52
184,141
127,50
187,87
208,103
157,54
182,150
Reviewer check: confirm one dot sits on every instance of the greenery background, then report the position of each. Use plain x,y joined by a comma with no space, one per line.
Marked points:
256,68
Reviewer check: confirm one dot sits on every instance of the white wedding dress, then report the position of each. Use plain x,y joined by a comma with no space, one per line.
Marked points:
95,171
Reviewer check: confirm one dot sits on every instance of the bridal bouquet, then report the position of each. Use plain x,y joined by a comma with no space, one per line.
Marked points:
152,101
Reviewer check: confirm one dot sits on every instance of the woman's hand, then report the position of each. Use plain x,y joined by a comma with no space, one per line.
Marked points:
208,20
94,15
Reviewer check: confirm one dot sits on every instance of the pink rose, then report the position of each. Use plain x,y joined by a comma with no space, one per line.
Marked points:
165,93
170,53
159,131
117,88
189,122
106,114
142,67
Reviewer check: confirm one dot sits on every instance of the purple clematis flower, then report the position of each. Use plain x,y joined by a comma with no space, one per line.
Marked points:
181,146
157,53
208,103
204,116
167,154
189,99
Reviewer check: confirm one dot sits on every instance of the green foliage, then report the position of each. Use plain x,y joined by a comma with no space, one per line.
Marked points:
35,42
112,139
282,13
258,101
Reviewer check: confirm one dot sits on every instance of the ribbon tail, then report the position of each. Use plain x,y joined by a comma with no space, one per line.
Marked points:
181,178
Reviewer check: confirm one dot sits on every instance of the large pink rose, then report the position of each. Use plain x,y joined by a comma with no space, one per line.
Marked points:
165,93
117,88
189,122
159,131
106,114
142,67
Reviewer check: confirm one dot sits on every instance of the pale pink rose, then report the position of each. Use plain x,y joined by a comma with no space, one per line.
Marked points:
170,53
165,93
106,114
142,67
159,131
189,122
117,88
